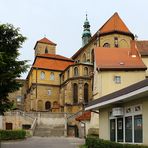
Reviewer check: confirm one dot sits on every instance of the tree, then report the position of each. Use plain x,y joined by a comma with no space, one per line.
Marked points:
10,66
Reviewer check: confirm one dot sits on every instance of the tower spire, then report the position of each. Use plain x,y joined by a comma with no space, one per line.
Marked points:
86,35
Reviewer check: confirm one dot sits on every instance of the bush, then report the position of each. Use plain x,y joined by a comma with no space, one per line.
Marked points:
94,142
12,134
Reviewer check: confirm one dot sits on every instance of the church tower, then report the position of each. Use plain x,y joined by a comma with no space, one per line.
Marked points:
86,35
45,46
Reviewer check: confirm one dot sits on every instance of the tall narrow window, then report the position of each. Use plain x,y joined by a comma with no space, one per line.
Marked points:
68,73
42,75
116,41
76,71
120,129
112,130
75,93
52,76
84,58
86,93
92,56
85,71
46,50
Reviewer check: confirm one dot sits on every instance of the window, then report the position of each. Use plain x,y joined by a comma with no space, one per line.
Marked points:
75,93
86,93
85,71
84,58
68,74
46,50
42,75
116,41
92,56
18,99
107,45
76,71
117,79
49,92
48,105
63,78
52,76
128,128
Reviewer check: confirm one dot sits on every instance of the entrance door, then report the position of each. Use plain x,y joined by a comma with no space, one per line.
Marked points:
8,126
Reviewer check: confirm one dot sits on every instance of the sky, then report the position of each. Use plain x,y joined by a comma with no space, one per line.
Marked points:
61,21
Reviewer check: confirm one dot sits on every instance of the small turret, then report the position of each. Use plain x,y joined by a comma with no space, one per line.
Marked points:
86,35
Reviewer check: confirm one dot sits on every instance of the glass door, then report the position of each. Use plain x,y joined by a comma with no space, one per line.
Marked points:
119,129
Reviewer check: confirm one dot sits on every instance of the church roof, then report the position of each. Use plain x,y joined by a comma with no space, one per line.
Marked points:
118,59
114,24
45,41
51,62
142,47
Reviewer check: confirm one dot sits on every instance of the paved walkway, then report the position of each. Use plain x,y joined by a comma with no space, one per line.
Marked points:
45,142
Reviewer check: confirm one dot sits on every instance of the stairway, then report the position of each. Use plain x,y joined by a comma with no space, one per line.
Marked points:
49,130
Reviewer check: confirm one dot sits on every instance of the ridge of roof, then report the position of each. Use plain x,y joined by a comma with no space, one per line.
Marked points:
54,56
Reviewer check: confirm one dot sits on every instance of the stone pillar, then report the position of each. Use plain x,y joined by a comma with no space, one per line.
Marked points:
1,122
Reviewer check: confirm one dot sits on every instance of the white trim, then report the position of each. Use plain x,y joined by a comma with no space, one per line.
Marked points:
117,98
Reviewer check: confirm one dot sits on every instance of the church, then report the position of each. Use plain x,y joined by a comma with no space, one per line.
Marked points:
104,80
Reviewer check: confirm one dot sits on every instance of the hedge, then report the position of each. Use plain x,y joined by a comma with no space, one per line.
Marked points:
94,142
12,134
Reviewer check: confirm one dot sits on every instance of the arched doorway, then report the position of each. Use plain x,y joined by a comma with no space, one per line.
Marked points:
48,105
40,105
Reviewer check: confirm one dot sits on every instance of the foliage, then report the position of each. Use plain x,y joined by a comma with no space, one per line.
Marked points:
10,66
12,134
94,142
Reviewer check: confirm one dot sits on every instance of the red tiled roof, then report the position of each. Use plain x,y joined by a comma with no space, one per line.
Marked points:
47,41
114,23
117,58
48,62
142,47
84,116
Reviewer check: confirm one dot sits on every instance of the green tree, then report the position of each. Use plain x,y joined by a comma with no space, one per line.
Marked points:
10,66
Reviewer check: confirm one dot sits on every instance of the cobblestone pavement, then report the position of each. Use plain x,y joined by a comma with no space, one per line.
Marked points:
44,142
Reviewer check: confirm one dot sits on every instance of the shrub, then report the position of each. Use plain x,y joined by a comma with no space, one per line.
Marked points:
94,142
12,134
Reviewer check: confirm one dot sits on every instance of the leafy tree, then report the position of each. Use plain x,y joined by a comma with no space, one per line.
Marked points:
10,66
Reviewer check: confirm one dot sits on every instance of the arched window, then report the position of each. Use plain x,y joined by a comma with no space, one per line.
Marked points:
85,71
42,75
92,56
52,76
48,105
84,58
75,93
46,50
86,93
76,71
68,74
107,45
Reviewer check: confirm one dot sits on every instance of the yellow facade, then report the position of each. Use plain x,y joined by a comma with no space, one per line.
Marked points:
105,81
